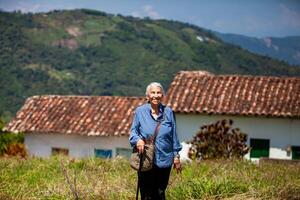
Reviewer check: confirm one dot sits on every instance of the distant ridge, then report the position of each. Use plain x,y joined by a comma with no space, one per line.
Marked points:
285,48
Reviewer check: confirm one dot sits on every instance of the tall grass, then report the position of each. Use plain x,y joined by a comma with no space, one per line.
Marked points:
93,178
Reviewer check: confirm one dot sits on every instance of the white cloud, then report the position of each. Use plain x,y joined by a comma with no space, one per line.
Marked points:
289,17
136,14
24,7
146,11
149,11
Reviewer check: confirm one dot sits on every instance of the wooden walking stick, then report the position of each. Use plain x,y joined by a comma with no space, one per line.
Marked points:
139,174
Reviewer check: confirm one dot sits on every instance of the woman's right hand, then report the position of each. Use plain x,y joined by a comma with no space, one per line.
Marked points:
140,145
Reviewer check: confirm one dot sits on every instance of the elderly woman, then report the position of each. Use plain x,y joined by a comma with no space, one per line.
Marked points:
153,183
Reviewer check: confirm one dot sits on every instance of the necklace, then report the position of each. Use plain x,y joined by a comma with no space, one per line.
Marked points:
153,113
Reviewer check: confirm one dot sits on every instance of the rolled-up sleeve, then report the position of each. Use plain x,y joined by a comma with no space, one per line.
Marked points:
176,144
134,131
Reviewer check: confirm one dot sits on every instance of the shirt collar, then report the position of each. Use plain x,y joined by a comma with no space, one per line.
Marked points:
160,108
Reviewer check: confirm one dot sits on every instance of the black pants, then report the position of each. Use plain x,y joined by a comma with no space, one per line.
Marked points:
153,183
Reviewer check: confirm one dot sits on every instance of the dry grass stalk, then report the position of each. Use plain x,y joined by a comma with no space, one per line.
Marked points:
72,186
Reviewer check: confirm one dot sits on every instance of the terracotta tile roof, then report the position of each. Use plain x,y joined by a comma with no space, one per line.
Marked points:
84,115
201,92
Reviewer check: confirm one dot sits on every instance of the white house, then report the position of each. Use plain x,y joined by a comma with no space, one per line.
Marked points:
78,126
266,108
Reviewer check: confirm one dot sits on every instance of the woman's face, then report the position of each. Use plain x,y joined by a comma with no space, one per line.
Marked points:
155,95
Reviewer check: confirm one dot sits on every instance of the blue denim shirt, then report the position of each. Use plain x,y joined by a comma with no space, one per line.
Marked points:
166,144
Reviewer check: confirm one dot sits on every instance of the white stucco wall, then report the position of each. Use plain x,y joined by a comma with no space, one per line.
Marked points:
281,132
79,146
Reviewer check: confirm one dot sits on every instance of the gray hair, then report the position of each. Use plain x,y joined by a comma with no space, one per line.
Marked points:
155,84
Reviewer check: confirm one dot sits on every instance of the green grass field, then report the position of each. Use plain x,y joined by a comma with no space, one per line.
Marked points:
57,177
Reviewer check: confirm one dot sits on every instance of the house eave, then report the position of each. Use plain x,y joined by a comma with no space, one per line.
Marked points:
238,114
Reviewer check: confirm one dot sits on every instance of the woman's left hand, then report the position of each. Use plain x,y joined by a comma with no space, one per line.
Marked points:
177,165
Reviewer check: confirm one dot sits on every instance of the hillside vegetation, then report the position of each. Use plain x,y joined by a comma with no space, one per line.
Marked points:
86,52
57,177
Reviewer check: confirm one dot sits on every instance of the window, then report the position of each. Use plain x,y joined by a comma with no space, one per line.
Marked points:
259,148
103,153
295,152
61,151
126,153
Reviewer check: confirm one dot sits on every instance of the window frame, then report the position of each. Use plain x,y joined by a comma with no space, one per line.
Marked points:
258,152
59,151
100,155
129,151
294,156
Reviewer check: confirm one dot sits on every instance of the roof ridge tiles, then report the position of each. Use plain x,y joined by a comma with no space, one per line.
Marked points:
207,73
241,94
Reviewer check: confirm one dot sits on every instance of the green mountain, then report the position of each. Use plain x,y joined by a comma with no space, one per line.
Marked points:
87,52
286,48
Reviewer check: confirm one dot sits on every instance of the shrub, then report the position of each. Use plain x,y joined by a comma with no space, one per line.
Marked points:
219,140
7,139
15,149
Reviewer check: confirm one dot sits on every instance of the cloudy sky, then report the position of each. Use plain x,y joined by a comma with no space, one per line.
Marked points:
259,18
